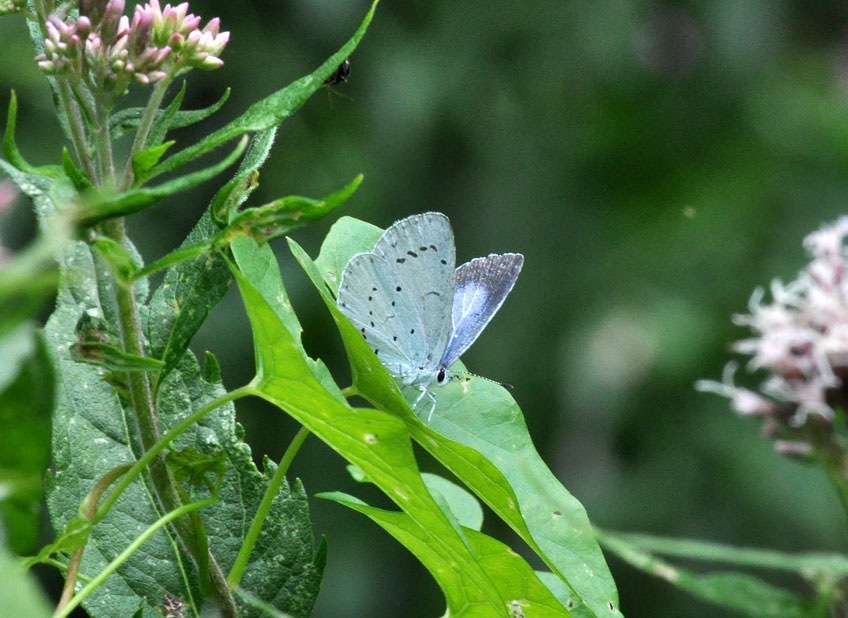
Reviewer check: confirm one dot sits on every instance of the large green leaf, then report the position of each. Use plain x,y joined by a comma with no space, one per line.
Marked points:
93,433
273,109
517,584
26,401
479,434
377,443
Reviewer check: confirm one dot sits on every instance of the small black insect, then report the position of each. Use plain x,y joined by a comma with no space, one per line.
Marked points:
340,75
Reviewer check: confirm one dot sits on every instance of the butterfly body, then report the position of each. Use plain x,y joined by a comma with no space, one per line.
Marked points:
416,311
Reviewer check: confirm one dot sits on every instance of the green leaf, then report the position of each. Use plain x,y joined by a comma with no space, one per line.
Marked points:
376,442
479,434
272,110
19,593
563,594
192,467
76,176
283,216
518,585
737,591
10,148
232,195
162,123
112,357
47,193
193,116
347,237
117,257
129,119
93,432
820,564
144,160
260,264
463,505
187,294
134,200
26,402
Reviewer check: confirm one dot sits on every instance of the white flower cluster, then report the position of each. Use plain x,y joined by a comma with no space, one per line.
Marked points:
800,338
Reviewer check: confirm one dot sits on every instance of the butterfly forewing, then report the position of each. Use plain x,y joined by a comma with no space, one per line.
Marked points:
421,251
481,287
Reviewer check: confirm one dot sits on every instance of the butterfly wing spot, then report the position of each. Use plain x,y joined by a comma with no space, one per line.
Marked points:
412,253
443,261
400,260
397,289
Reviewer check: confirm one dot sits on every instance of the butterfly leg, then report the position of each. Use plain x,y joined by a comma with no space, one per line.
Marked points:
432,399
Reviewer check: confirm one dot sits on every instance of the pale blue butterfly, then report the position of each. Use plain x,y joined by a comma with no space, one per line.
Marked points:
417,313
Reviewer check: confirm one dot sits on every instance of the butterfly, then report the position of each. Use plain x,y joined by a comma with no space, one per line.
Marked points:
417,313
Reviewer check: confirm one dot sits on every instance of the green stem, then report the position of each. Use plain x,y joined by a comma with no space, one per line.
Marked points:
104,145
350,391
144,409
75,123
129,551
163,442
88,508
234,577
84,104
144,127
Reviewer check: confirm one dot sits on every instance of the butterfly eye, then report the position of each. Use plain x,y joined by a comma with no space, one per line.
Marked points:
442,377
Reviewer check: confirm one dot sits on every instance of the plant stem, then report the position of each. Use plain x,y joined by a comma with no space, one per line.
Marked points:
104,146
163,442
234,576
90,507
129,551
144,127
75,123
143,406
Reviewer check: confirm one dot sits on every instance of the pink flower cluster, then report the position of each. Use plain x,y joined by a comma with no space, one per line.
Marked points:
800,339
104,48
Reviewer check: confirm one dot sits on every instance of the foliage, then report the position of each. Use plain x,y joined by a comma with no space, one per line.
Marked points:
152,490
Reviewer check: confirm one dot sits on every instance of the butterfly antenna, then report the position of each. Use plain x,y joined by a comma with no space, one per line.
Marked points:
468,374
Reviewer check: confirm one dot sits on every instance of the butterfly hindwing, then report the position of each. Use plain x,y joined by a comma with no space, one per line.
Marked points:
481,287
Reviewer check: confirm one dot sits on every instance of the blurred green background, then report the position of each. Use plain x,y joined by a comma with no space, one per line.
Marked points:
654,162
